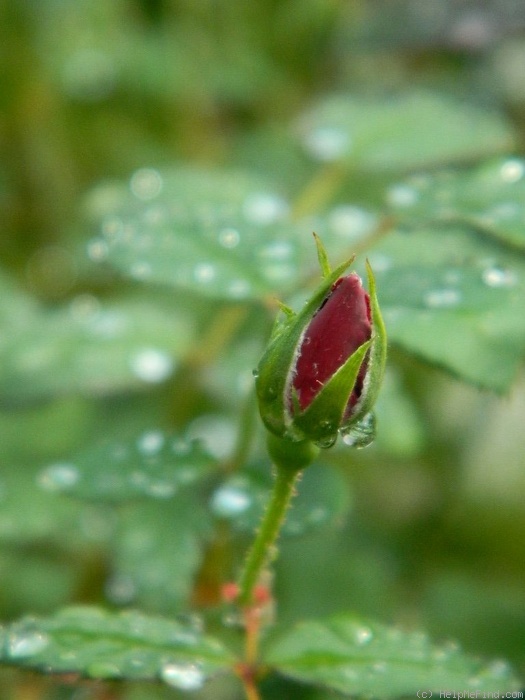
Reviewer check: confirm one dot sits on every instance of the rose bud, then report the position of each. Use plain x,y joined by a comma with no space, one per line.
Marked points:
323,368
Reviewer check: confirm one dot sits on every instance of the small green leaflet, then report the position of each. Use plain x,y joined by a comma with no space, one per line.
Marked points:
354,657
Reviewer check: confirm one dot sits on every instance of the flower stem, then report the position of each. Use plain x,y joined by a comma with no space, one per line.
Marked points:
259,554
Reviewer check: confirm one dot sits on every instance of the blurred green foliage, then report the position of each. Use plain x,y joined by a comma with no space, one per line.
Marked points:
163,164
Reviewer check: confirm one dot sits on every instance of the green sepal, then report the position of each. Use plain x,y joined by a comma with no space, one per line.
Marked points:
322,256
274,370
323,417
376,357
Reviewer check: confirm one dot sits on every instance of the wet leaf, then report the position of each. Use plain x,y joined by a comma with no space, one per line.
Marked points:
222,234
455,299
412,130
98,644
156,553
153,464
93,348
355,657
489,197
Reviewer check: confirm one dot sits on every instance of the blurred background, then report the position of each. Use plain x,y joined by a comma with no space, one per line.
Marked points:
431,533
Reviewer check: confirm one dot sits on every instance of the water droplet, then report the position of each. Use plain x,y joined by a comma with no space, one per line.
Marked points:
161,489
183,676
265,209
229,237
230,500
498,668
204,273
380,667
363,635
327,442
361,434
84,307
327,143
146,183
498,277
317,515
442,298
238,288
277,251
351,222
402,196
151,365
109,324
151,442
156,215
140,270
58,477
504,210
97,249
217,434
379,262
23,643
111,227
512,170
120,589
278,272
180,447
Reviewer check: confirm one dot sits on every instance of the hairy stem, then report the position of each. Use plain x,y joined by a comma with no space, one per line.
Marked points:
259,554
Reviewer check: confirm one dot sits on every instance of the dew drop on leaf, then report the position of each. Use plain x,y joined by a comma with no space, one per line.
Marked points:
363,635
97,249
146,183
151,442
23,643
348,221
230,500
239,288
402,196
498,277
327,143
183,676
204,273
120,589
140,270
512,170
151,365
264,209
442,298
58,477
229,237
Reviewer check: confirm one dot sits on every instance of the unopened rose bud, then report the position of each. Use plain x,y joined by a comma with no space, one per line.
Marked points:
323,368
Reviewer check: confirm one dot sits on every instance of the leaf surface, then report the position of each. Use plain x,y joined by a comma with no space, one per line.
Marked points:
356,658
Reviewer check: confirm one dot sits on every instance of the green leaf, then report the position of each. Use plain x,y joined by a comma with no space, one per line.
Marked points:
455,299
99,644
410,131
353,657
322,500
222,234
153,464
93,348
156,554
490,197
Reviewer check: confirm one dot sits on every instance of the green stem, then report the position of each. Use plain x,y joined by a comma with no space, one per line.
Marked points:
259,554
290,458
